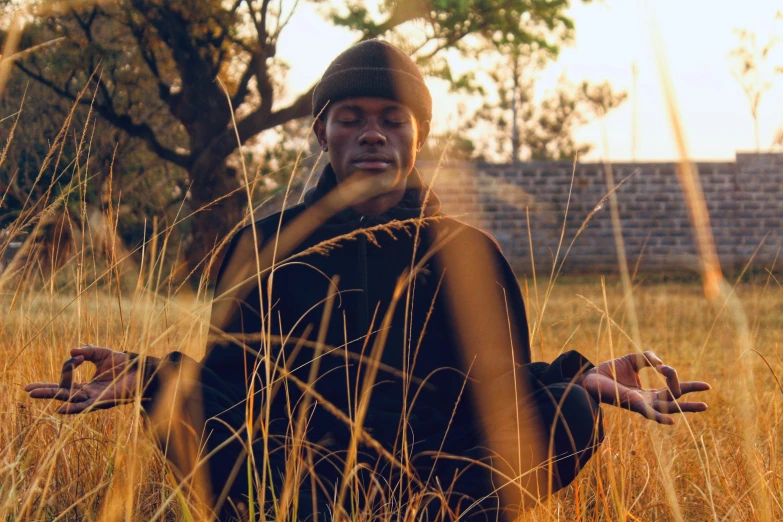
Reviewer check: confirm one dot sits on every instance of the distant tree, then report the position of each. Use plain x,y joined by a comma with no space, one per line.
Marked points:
751,68
601,98
62,167
777,141
447,148
158,63
516,126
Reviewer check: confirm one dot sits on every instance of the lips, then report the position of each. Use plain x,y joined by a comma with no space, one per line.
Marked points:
373,162
373,165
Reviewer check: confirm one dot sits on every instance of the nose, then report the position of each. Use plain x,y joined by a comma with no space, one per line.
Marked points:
372,136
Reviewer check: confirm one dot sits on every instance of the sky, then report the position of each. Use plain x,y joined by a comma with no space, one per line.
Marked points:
611,36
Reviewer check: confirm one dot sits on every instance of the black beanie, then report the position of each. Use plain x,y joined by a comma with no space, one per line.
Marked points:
378,69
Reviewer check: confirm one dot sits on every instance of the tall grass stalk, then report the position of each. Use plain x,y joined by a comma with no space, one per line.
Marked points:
723,465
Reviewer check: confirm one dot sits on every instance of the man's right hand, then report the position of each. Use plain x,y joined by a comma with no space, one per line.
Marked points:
114,382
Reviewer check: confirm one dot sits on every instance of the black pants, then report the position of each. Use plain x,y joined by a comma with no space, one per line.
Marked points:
570,421
571,428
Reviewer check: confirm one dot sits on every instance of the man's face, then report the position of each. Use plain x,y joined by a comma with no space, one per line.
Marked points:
375,137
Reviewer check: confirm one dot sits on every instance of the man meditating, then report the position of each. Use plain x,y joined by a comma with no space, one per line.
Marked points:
368,355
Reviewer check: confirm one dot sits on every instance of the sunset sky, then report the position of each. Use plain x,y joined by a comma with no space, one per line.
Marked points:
611,35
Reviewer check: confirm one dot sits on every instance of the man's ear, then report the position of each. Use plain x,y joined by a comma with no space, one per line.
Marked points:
319,127
423,132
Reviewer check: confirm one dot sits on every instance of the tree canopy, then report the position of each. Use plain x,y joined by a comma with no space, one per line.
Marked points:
175,75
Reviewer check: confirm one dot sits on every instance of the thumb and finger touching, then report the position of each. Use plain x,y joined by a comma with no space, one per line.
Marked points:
664,400
65,390
643,360
657,407
99,392
104,359
656,404
672,380
66,375
93,354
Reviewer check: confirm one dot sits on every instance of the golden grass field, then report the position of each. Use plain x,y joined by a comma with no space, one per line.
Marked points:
710,466
724,464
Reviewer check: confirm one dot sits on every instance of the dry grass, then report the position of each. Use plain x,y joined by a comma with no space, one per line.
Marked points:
724,464
101,465
721,465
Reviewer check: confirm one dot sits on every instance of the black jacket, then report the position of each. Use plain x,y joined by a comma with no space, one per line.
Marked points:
423,352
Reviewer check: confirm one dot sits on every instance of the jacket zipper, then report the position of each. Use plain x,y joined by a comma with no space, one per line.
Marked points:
364,304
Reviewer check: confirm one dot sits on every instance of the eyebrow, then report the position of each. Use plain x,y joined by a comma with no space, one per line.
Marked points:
357,108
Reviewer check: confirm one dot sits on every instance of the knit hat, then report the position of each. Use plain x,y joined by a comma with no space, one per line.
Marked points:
378,69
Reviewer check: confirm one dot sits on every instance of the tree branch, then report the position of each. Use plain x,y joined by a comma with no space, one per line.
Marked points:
164,90
281,26
262,35
234,7
254,123
258,61
122,121
262,118
243,85
86,25
301,107
404,12
172,29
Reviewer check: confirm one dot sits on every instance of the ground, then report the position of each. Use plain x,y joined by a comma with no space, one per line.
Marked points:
725,464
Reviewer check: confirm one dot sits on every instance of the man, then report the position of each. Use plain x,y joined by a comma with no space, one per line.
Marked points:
369,356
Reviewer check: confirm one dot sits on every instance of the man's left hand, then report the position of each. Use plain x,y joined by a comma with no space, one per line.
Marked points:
617,382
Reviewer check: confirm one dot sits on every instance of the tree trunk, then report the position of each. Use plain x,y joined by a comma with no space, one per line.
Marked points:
515,140
216,214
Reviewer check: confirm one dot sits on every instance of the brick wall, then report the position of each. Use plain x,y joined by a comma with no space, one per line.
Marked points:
744,198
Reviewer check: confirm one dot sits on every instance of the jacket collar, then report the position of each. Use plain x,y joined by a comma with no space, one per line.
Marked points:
409,207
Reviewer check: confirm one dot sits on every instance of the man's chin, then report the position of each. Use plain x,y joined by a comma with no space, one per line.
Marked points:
392,169
383,181
379,204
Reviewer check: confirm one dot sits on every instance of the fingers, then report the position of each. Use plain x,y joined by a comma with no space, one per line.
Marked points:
664,402
66,374
661,410
49,392
644,360
679,407
62,391
72,408
638,404
675,388
78,356
695,386
35,385
78,397
672,380
93,354
76,400
53,391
